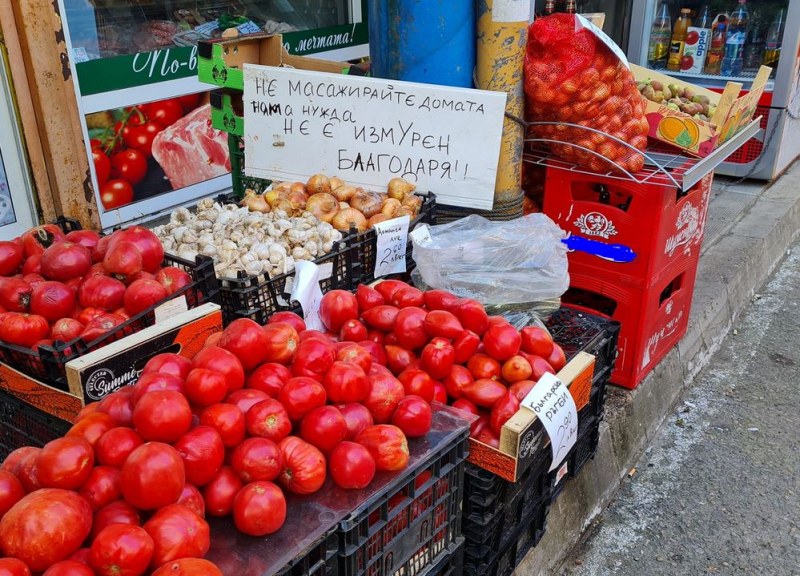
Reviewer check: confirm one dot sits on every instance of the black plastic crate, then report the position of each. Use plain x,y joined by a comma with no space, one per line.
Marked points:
585,448
24,425
452,564
411,527
320,559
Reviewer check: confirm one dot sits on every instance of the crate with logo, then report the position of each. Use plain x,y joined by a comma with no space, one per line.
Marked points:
646,227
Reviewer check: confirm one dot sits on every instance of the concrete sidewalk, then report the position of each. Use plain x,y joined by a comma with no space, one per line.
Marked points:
747,234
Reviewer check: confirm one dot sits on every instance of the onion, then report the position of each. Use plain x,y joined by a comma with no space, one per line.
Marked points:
282,186
414,202
318,183
344,193
283,204
298,187
368,203
336,182
254,202
377,218
324,206
343,205
298,199
400,188
405,211
348,217
272,196
390,207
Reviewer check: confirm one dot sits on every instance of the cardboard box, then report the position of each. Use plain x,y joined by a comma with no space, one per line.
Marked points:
523,436
695,136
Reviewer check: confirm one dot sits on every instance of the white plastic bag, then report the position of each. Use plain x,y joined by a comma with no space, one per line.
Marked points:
512,262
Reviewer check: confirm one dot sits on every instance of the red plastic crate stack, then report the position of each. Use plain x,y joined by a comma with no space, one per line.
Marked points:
650,295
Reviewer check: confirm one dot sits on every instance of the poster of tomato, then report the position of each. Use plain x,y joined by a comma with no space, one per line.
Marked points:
154,148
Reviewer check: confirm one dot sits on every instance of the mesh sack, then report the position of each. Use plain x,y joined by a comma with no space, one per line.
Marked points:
573,77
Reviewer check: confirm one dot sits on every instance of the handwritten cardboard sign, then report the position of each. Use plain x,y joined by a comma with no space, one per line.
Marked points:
555,408
390,251
368,131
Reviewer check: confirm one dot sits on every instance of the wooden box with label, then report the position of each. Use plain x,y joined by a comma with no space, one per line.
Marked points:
523,436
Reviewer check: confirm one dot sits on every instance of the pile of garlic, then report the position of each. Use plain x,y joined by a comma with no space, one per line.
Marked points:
238,239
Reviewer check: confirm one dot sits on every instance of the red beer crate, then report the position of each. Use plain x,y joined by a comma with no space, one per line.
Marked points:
653,317
659,224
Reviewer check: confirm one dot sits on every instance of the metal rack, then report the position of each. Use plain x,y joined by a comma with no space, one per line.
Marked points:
661,166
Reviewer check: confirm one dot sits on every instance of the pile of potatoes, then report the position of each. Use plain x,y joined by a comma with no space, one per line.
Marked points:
680,98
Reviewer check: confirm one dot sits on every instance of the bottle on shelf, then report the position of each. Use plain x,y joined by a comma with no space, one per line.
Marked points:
754,48
660,35
772,46
549,7
716,50
703,19
571,7
733,62
677,44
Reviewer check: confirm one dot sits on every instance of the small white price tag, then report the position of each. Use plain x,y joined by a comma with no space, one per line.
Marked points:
511,10
555,408
604,38
307,292
249,27
390,252
171,308
421,235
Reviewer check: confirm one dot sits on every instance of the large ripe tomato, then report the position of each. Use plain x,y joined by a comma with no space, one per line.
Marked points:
11,256
148,244
439,299
86,238
536,340
192,498
27,472
336,308
368,297
375,350
324,427
413,416
100,326
503,410
387,288
115,445
352,466
121,550
458,378
143,294
35,240
289,318
257,459
32,265
410,328
443,323
418,383
354,354
248,341
141,137
52,300
300,395
314,356
205,387
14,567
69,568
165,112
352,331
472,315
502,341
388,446
11,491
539,367
177,532
44,527
100,249
357,417
119,512
202,452
281,342
65,260
35,279
102,487
398,358
381,317
220,491
515,369
153,476
167,363
488,437
227,420
303,466
224,362
522,388
188,567
482,366
92,427
130,165
65,329
65,463
268,419
162,416
385,392
16,458
102,166
23,329
557,358
269,378
116,193
245,398
123,259
408,296
173,279
259,509
345,382
15,294
438,357
484,392
156,381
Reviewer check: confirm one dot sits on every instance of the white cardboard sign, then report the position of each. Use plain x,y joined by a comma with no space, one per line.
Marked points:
368,131
555,408
390,251
307,292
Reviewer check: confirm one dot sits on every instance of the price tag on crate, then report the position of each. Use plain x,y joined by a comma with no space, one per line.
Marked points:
421,235
390,252
307,292
553,404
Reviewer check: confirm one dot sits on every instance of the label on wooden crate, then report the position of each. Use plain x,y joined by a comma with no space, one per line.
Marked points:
307,292
171,308
553,404
390,253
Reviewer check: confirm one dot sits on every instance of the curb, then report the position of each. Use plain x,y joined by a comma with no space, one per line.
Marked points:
730,270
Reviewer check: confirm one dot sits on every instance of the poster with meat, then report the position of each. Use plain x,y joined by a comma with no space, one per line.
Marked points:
154,148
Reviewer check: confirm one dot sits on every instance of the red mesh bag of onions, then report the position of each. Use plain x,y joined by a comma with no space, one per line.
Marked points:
571,76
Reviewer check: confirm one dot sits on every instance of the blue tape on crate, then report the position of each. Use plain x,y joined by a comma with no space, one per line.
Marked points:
613,252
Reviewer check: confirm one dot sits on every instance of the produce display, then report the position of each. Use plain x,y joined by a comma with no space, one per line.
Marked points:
679,98
57,287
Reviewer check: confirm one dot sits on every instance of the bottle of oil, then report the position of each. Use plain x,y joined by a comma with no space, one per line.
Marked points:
679,39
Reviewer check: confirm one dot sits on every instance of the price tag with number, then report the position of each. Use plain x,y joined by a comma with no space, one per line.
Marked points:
555,408
390,254
307,292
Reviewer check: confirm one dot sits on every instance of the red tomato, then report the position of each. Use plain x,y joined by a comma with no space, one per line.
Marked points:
81,555
153,476
102,166
173,279
353,331
65,260
52,300
269,378
220,360
205,387
68,568
280,342
115,445
268,419
488,437
418,383
227,420
119,406
257,459
119,512
557,359
23,329
124,260
387,288
439,299
443,323
479,424
156,381
388,446
413,416
130,165
177,532
408,296
357,417
522,388
121,550
192,499
356,355
303,466
536,340
102,487
16,458
65,463
481,366
324,427
503,410
220,492
162,416
11,491
375,350
247,340
439,393
14,567
86,315
484,392
65,329
289,318
34,279
35,240
92,427
142,294
202,452
44,527
100,249
27,472
539,367
345,382
352,466
141,137
259,509
410,328
502,341
472,315
86,238
165,112
301,395
336,308
459,377
32,265
385,392
398,358
148,244
188,567
173,364
11,256
116,193
381,317
100,325
368,297
437,357
515,369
